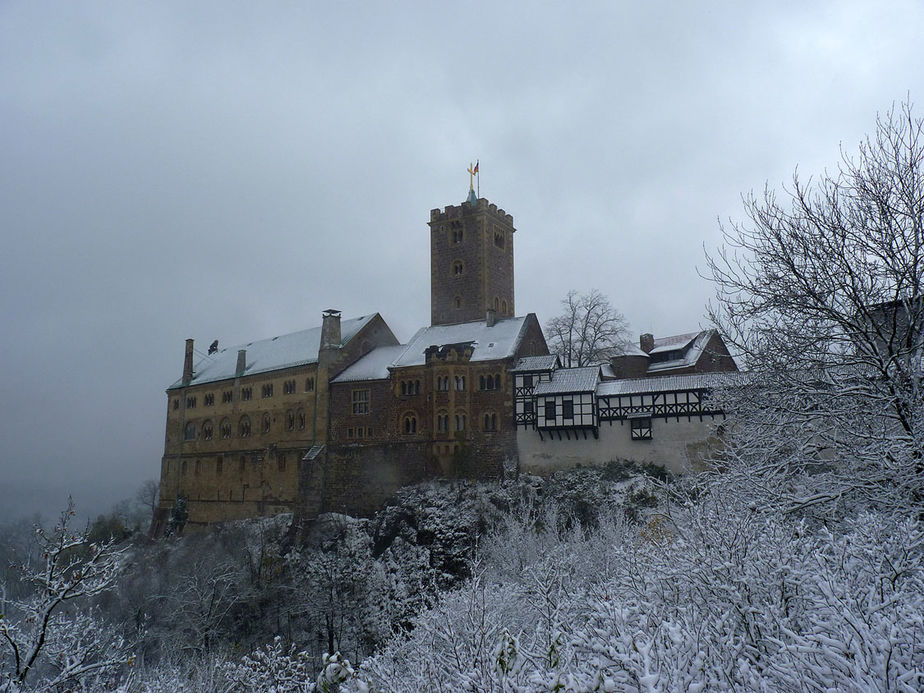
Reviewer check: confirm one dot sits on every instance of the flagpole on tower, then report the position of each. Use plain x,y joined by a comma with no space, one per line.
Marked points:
478,173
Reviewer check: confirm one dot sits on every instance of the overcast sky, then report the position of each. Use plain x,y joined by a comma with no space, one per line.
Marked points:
229,170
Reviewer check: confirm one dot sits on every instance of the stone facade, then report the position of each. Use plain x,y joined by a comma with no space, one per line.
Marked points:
471,263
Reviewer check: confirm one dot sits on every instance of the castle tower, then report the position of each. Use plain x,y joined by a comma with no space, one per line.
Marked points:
471,263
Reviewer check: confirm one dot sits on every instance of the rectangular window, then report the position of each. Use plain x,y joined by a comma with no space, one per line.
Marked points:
226,397
360,401
209,399
528,407
246,393
190,402
641,428
550,410
267,390
567,409
219,465
528,380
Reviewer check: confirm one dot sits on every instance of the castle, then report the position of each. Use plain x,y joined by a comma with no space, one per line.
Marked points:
338,417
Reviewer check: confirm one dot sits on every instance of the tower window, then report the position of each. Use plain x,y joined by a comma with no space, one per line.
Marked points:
499,240
460,383
442,383
458,268
457,302
190,432
460,422
442,423
490,422
410,424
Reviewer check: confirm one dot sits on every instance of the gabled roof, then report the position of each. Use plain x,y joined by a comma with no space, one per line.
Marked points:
372,366
529,364
570,380
285,351
668,383
499,341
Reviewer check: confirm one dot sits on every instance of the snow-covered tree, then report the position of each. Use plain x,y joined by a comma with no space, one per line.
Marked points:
52,637
821,292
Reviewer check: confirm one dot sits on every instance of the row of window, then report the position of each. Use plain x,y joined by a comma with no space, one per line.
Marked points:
456,235
410,387
227,396
295,420
443,382
220,465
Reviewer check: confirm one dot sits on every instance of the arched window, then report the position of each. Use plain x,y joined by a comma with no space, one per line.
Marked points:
206,430
225,428
190,432
496,303
504,307
490,422
458,268
309,384
409,425
460,383
290,420
266,423
183,468
457,301
300,419
243,427
497,381
460,422
442,422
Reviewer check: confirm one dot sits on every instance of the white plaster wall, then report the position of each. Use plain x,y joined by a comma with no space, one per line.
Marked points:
679,446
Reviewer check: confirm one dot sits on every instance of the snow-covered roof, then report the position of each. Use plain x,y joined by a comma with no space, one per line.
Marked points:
536,363
570,380
499,341
693,345
372,366
285,351
677,341
667,383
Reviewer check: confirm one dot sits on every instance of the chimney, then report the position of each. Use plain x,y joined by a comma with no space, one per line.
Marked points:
646,342
241,362
188,362
330,329
491,317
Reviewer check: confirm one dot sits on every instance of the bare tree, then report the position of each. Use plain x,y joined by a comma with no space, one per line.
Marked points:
588,331
822,292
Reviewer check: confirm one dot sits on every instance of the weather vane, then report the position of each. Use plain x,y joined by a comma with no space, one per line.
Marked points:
472,172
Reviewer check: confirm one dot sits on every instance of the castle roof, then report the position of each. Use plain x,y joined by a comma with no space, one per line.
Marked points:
488,343
690,346
295,349
668,383
584,379
529,364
